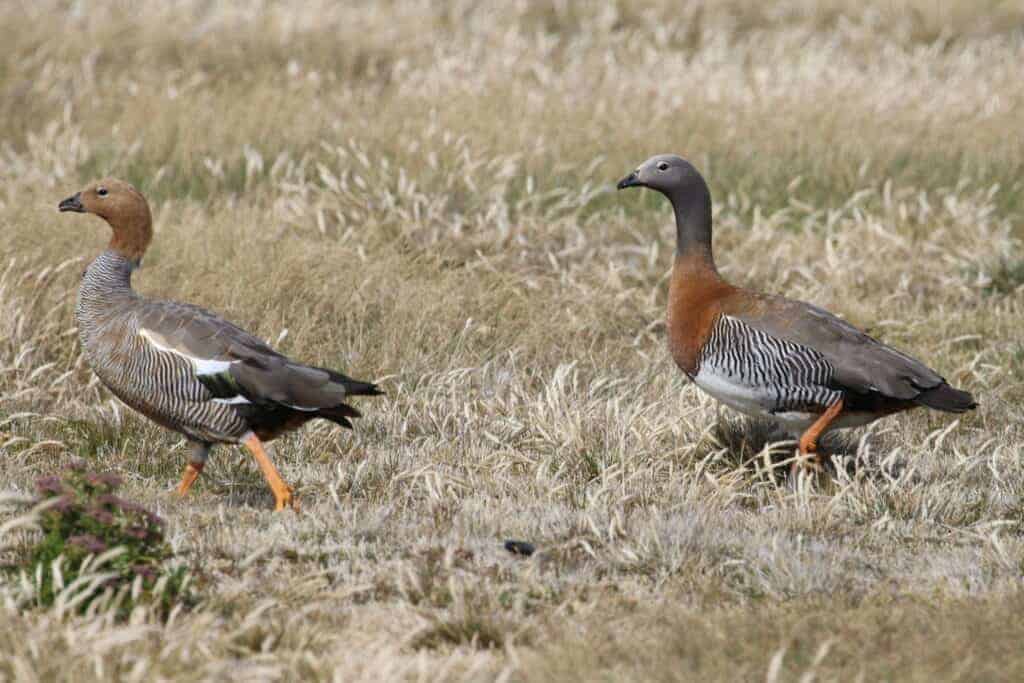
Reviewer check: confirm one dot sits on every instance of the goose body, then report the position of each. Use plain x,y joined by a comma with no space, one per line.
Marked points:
184,367
769,356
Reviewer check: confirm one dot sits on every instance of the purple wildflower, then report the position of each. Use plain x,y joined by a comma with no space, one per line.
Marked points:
111,480
133,508
103,480
101,516
114,502
88,543
137,532
64,504
154,520
49,486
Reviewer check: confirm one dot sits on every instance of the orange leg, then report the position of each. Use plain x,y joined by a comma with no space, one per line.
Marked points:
809,439
283,495
192,471
200,452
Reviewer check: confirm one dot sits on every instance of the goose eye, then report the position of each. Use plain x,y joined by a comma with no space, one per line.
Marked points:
102,192
663,166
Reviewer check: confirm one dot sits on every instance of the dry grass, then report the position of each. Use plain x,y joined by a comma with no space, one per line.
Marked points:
421,193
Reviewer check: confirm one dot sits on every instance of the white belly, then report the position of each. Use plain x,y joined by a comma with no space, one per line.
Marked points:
748,399
757,402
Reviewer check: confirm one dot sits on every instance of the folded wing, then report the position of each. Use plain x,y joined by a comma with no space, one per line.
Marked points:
862,365
238,368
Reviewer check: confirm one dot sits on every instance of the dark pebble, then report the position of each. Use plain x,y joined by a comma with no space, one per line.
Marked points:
519,548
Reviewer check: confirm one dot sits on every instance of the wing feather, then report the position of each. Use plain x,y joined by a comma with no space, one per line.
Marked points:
862,364
233,364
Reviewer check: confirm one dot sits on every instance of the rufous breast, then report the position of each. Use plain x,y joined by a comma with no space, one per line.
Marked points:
696,298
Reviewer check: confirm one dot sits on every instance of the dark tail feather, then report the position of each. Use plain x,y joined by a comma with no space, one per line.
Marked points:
339,414
357,388
354,387
945,397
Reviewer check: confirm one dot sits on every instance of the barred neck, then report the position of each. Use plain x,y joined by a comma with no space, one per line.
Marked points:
111,271
107,282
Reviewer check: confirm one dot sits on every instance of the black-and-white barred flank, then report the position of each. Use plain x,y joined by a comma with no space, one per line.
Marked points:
785,375
159,383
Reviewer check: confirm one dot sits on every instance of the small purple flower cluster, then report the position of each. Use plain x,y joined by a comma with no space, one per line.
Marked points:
105,480
141,523
100,516
64,504
112,502
85,501
88,543
49,486
86,517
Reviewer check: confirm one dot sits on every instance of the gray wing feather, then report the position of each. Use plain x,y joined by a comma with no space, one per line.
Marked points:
258,372
862,364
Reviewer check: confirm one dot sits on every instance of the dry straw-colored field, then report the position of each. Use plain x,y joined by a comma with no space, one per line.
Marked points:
421,193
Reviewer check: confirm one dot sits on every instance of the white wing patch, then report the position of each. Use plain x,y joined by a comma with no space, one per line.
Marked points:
234,400
203,366
303,409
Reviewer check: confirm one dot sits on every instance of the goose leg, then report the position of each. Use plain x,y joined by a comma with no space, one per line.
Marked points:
809,439
283,494
196,462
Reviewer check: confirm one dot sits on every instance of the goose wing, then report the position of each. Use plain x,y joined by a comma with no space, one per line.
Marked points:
860,363
234,365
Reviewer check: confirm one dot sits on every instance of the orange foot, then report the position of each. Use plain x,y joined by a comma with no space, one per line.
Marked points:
809,458
284,496
807,461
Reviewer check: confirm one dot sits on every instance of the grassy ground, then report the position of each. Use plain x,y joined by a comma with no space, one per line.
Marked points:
420,193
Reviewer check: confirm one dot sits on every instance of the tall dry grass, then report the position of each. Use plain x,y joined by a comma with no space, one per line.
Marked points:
421,193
